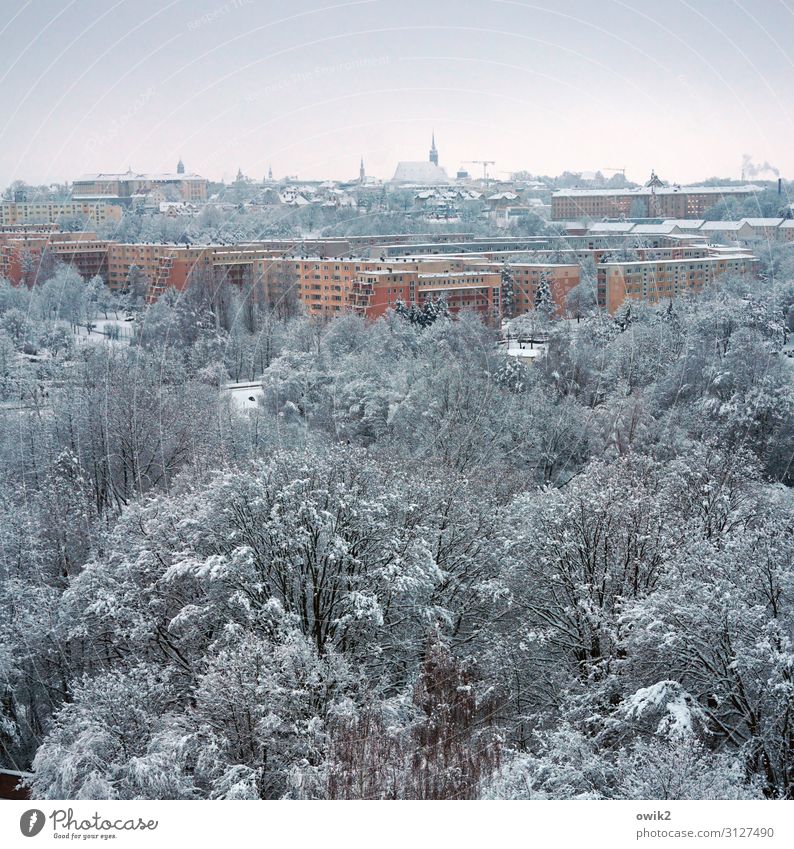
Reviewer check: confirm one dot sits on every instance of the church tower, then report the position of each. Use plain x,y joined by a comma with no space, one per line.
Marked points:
180,166
361,174
433,151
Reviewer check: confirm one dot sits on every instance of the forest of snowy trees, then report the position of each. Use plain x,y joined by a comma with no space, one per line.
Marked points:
418,568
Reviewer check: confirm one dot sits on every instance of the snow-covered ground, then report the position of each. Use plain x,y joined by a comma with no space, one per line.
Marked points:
102,327
527,351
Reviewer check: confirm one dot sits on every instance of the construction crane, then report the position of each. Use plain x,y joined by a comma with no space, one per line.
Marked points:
615,170
484,162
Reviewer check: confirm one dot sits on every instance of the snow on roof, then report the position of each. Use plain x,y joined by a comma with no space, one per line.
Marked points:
612,227
129,175
424,173
664,190
292,198
735,254
452,287
95,198
653,229
455,274
728,250
764,222
685,223
556,265
723,226
692,240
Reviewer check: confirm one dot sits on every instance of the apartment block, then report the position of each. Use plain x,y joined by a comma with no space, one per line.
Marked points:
51,212
646,202
22,251
474,291
123,188
659,280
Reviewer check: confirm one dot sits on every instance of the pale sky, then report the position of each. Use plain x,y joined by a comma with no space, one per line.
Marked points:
682,86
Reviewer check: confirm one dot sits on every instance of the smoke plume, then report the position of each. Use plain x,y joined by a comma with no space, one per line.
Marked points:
750,170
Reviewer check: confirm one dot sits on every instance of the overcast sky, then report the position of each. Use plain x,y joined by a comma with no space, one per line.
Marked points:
685,88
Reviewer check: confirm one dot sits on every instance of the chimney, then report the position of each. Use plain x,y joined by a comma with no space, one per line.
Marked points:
780,185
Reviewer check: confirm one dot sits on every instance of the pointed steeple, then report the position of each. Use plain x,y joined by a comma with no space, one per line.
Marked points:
433,151
361,173
180,166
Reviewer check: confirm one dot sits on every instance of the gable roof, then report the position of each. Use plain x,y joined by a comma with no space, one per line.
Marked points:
422,173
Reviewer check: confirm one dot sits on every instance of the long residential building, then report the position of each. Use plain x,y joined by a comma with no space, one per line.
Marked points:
653,281
494,283
381,288
743,230
22,252
123,188
465,283
52,212
644,202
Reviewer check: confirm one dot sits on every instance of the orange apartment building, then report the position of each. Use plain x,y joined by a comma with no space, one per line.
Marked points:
327,286
646,202
464,283
475,291
21,253
146,257
527,277
88,255
383,286
324,286
659,280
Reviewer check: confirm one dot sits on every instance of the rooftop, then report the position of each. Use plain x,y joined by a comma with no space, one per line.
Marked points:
450,274
420,173
612,227
764,222
131,175
643,191
654,229
723,226
736,255
685,223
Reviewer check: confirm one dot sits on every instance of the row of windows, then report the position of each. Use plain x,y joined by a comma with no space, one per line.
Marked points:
316,286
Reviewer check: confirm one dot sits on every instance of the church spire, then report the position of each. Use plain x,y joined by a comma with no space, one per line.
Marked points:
361,173
433,151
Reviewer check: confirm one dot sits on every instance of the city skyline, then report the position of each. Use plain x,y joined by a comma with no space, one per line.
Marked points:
687,90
